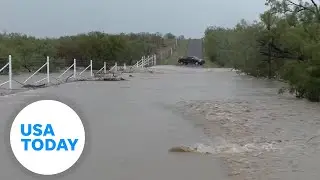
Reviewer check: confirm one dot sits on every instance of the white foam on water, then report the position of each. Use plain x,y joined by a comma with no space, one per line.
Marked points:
230,148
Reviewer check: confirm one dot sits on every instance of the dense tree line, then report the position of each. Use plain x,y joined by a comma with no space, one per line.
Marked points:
284,44
29,53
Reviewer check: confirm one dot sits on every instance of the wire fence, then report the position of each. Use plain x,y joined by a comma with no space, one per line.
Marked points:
37,72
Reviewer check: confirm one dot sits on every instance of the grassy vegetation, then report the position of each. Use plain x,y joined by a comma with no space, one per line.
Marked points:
180,51
283,44
210,64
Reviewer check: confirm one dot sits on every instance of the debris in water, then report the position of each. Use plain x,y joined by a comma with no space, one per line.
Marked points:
188,149
234,173
182,149
33,86
113,79
107,77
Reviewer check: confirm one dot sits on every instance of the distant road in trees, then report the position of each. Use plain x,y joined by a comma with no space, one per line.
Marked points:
195,48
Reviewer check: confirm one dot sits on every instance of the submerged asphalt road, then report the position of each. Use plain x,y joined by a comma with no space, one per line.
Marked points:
195,48
131,124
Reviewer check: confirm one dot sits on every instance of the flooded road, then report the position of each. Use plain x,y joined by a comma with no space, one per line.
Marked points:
132,124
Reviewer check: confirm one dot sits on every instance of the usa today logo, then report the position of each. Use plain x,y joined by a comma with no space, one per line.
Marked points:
47,137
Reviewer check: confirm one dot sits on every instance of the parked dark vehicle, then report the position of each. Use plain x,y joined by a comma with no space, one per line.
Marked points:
191,60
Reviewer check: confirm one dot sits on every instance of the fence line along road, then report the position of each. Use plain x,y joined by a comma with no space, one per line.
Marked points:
142,63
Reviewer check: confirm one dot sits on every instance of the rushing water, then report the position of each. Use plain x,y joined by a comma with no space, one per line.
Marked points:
132,124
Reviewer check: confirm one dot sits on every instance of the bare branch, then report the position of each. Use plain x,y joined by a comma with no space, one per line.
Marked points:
315,4
300,6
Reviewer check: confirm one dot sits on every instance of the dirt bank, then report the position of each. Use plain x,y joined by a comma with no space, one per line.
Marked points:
269,139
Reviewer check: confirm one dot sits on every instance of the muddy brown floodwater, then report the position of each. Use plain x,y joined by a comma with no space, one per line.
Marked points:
249,130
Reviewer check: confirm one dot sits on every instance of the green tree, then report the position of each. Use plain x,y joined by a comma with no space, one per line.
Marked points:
283,44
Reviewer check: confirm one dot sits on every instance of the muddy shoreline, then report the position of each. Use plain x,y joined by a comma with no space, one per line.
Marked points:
265,139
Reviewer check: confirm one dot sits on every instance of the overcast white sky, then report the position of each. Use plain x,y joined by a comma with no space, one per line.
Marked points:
67,17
